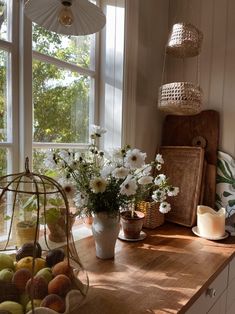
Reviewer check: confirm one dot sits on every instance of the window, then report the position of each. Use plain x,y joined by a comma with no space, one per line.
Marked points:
52,87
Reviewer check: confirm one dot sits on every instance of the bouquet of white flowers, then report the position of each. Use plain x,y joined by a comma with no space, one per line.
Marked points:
111,182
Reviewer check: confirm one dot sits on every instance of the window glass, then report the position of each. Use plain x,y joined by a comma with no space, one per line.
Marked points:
78,50
3,96
61,104
4,28
3,161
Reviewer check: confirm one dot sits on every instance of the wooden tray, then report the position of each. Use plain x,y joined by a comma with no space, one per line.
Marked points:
199,130
183,165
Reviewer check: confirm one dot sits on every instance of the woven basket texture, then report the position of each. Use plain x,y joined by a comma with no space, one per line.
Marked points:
185,40
153,217
180,98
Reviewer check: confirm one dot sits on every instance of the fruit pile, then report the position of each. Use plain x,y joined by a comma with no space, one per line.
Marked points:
52,279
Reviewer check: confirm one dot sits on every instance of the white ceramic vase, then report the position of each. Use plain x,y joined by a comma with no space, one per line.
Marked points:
105,229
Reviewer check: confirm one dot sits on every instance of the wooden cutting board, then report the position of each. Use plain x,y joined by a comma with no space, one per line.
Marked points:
200,130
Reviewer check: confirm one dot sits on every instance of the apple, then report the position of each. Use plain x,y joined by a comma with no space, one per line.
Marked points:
36,303
6,274
6,261
46,273
12,307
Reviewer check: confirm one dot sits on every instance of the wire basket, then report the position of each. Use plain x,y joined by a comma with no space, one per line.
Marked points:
28,193
185,40
180,98
153,217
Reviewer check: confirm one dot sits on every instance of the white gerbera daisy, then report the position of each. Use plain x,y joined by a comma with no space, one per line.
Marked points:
145,180
164,207
98,185
134,159
120,172
159,179
159,159
128,187
173,191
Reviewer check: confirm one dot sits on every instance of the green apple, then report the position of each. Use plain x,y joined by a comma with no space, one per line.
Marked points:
13,307
6,261
6,274
36,303
46,273
24,299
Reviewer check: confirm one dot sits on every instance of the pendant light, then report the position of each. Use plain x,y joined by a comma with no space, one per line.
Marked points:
67,17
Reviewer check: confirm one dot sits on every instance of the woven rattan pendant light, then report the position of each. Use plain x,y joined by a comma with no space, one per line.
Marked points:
182,97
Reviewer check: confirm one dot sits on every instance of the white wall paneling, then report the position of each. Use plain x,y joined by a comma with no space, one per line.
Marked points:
215,18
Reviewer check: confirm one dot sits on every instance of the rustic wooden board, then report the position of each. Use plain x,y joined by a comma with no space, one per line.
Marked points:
184,167
183,130
199,130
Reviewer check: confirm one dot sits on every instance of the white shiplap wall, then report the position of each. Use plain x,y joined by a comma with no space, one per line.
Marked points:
215,18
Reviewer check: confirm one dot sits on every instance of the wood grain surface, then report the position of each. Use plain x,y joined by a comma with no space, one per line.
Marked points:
165,273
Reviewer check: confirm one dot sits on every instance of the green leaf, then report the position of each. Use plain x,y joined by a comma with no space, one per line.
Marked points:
226,194
223,170
231,203
220,179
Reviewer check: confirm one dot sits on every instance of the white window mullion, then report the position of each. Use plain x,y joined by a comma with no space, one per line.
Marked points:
25,83
62,64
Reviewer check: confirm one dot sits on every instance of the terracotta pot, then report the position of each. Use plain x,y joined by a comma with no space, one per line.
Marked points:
132,225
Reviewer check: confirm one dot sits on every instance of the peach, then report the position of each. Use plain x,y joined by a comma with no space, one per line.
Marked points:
63,268
20,278
36,287
54,302
60,285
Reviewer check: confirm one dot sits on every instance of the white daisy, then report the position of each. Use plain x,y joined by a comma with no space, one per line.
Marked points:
134,159
159,195
120,172
159,159
69,190
128,187
97,130
107,170
158,167
145,180
147,170
98,185
164,207
79,200
64,154
159,179
173,191
49,161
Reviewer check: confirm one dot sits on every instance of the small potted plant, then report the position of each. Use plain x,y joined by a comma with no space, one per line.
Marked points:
26,226
55,219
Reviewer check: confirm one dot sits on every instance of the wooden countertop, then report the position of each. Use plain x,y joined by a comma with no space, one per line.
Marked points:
164,273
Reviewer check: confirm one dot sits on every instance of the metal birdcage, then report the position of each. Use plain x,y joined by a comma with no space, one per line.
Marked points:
24,199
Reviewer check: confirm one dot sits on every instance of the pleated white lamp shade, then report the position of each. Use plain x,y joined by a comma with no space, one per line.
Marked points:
88,18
